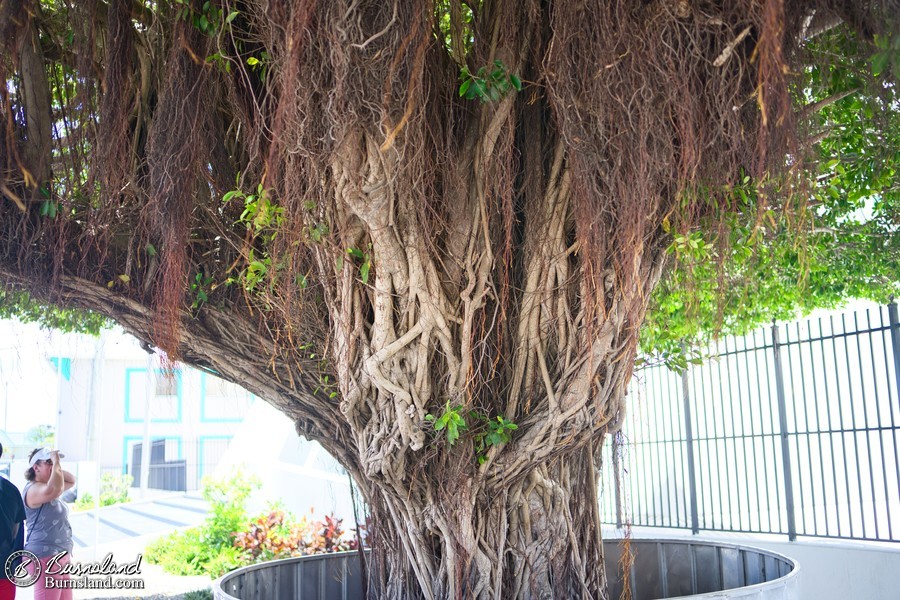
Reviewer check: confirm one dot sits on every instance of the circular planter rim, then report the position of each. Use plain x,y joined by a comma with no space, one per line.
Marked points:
737,592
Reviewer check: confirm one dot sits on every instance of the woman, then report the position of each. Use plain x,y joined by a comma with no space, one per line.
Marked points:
47,518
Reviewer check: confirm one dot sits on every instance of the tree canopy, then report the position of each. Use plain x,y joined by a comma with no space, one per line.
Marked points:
430,232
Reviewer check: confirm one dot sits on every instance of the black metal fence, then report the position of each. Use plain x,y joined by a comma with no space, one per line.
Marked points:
790,430
177,465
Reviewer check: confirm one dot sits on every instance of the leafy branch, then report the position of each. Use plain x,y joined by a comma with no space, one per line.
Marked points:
488,86
493,432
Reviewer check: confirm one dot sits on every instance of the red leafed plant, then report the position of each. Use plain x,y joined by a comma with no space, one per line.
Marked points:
274,535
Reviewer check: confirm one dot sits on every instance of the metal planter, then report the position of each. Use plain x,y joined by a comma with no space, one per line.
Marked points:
661,569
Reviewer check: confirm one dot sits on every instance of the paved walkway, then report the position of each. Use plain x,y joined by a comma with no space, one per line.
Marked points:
124,531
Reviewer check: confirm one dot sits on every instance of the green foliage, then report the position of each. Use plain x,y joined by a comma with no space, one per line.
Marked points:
499,432
20,305
836,239
200,288
364,260
457,40
209,548
208,20
113,490
486,432
262,218
229,539
198,595
489,84
887,59
42,436
50,209
182,553
451,420
260,64
228,515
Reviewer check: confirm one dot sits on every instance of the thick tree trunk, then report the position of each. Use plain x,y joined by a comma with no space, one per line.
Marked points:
538,537
515,520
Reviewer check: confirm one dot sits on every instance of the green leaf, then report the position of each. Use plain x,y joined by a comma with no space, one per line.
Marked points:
880,62
465,87
442,422
452,433
516,82
231,16
364,271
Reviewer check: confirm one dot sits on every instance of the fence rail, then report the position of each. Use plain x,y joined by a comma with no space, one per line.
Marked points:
790,430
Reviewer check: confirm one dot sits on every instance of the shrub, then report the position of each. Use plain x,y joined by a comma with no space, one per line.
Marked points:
179,553
209,548
113,490
228,539
275,535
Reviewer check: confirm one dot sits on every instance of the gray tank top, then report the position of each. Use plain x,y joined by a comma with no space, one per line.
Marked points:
47,527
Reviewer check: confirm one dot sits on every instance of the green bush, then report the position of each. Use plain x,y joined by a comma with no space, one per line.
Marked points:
179,553
209,548
229,539
113,490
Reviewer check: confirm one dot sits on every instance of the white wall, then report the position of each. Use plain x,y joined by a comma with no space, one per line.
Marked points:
293,471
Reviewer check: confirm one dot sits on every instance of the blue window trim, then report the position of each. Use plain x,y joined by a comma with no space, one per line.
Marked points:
63,366
206,419
179,395
139,438
201,444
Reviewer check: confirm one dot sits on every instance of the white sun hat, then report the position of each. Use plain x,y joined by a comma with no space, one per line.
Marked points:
43,454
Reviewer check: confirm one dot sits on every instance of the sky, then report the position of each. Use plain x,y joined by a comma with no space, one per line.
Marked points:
28,381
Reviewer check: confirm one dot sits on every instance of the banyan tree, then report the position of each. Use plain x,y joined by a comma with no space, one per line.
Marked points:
427,231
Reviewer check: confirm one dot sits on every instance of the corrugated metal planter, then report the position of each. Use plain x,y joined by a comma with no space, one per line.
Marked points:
662,569
693,569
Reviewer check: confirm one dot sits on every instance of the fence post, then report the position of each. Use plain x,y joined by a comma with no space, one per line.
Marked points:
895,341
615,448
785,446
689,441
